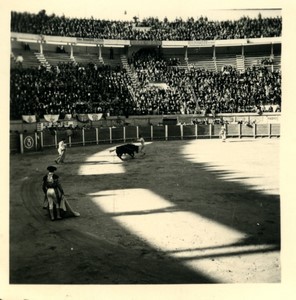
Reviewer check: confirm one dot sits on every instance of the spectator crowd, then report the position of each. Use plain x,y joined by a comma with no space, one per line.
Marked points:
69,89
155,29
195,90
162,89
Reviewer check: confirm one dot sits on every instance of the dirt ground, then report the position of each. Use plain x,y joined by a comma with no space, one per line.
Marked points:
187,212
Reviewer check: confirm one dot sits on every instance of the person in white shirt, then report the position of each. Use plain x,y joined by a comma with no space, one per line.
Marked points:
142,141
223,132
19,60
61,151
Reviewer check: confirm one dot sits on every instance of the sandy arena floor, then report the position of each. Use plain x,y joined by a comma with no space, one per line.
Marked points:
188,212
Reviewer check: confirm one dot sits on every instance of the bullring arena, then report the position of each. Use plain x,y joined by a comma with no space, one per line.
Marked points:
195,211
200,205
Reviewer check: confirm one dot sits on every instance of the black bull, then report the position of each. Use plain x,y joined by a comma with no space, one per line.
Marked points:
129,149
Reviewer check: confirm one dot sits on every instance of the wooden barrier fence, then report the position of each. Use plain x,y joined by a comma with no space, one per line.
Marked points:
36,141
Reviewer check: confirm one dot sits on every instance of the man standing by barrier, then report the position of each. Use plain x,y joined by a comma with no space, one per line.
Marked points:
61,151
223,133
142,141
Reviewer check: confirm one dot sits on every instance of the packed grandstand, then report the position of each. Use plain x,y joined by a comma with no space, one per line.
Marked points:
152,67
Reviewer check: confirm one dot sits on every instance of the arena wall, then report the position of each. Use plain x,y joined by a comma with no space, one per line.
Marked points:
25,142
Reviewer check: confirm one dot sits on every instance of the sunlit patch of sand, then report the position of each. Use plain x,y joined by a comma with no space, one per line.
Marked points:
251,162
200,243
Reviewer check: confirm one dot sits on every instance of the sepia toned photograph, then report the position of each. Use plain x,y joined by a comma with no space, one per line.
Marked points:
145,148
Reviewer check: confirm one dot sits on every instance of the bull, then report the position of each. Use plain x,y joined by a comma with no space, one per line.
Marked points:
129,149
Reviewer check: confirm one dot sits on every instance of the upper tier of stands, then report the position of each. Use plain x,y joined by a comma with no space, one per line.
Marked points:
155,29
